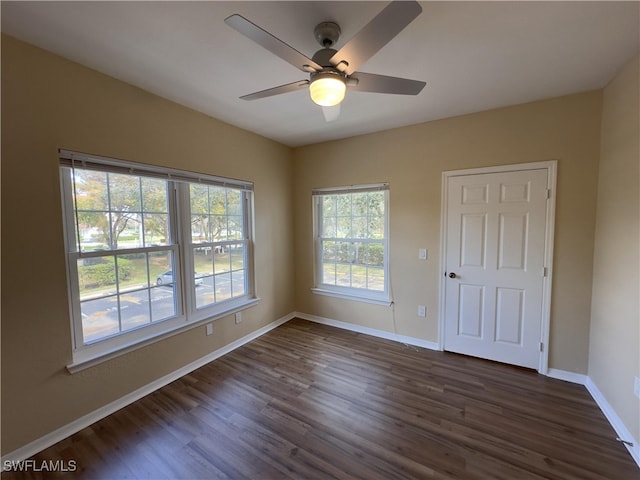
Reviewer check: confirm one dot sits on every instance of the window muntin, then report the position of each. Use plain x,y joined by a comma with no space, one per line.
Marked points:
351,241
131,275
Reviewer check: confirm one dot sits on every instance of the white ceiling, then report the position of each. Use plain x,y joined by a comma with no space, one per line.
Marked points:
473,55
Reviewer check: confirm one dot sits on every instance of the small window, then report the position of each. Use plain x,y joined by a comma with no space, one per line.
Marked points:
151,250
351,244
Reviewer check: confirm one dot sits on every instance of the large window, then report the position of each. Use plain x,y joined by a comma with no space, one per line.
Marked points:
151,250
350,230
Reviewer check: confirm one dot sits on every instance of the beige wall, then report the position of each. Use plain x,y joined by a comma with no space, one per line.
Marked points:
614,352
50,103
412,159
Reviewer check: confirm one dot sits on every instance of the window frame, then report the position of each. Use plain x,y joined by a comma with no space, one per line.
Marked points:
350,293
180,244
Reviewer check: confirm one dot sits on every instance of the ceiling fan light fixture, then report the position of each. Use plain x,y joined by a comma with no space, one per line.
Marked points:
327,89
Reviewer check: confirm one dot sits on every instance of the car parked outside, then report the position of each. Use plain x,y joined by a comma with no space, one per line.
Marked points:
166,278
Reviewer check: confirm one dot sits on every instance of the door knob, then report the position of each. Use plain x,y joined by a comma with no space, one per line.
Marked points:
452,275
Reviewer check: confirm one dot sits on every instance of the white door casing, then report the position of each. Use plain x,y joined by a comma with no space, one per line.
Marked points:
496,258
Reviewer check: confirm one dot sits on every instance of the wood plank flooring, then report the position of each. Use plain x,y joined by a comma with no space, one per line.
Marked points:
308,401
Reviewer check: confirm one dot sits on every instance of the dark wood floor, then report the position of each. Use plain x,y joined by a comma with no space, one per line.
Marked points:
315,402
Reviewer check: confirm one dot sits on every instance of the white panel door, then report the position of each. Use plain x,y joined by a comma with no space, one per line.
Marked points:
495,242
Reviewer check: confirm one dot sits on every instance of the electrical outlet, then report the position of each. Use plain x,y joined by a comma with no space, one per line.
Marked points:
238,317
422,311
209,328
636,387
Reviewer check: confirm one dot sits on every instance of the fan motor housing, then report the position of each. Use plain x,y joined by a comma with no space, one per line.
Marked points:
322,56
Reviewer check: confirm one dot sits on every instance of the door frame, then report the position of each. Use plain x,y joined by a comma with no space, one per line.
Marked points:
551,166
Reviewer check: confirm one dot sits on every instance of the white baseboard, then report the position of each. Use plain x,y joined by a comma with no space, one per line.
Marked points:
621,430
567,376
608,411
75,426
370,331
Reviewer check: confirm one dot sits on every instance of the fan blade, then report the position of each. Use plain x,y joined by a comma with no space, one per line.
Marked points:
270,92
271,43
375,35
370,82
331,113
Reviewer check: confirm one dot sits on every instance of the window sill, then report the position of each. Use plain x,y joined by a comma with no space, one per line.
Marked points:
357,298
83,360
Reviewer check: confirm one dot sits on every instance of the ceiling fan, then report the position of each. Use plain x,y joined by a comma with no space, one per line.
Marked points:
332,71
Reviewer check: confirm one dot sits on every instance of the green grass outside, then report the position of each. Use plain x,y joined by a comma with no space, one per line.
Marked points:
160,264
354,275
